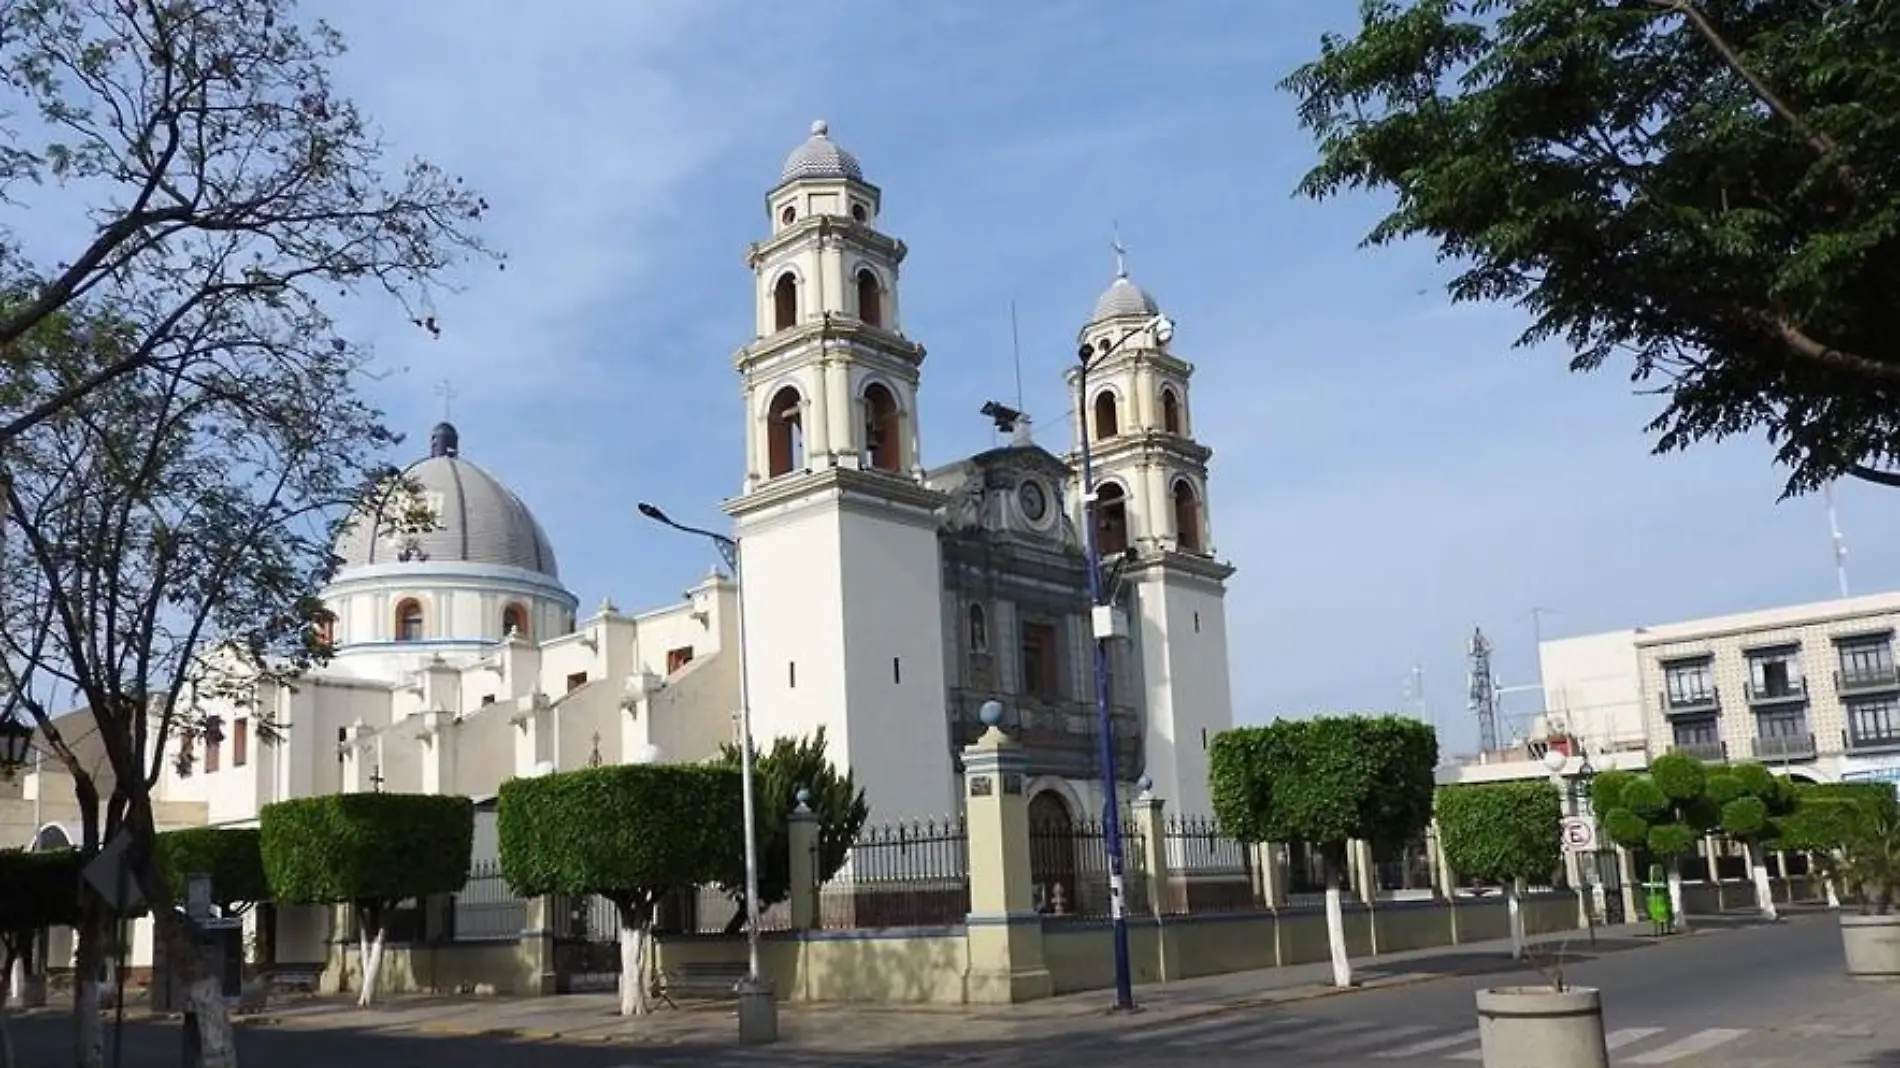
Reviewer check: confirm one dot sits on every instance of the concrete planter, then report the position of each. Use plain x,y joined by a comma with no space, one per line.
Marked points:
1540,1027
1872,944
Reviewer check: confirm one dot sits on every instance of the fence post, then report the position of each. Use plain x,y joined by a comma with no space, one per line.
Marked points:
802,833
1445,879
1269,864
1003,930
1364,870
1151,829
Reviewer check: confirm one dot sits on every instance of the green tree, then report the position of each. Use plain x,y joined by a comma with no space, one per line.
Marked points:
37,890
1707,188
1751,802
1827,821
178,413
232,857
1665,812
780,774
631,834
369,851
1506,833
1326,781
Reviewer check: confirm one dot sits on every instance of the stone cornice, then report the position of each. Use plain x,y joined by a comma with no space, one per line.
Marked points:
1146,444
829,328
1152,565
867,492
828,232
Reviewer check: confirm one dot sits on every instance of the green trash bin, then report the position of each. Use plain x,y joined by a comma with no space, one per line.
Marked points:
1662,918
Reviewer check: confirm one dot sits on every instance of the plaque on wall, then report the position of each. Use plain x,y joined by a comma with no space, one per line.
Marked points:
980,786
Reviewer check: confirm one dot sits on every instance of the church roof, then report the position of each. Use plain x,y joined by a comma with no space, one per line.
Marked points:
820,157
1124,298
478,520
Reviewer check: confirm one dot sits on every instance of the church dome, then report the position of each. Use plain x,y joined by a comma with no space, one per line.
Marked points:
820,157
478,520
1124,298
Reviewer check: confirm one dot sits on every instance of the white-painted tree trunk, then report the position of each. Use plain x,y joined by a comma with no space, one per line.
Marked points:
1336,937
370,952
216,1046
1764,890
89,1033
1681,920
9,981
634,988
1514,912
1833,895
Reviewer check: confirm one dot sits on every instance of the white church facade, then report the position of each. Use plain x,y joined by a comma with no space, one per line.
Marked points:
885,600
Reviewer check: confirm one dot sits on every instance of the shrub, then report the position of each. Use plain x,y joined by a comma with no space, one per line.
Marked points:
367,849
1501,832
232,856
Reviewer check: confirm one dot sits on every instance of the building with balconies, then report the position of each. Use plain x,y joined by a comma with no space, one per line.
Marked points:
1811,689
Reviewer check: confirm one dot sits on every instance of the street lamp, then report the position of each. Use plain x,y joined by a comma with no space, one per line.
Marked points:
16,744
1555,761
758,1012
1111,806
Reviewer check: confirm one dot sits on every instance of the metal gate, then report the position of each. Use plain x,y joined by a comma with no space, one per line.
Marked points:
587,946
1607,883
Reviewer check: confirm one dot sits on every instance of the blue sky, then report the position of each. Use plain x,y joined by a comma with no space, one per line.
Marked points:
1388,472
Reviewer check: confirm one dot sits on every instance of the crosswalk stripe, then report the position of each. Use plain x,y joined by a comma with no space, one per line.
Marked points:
1430,1045
1189,1028
1303,1035
1616,1040
1700,1042
1370,1038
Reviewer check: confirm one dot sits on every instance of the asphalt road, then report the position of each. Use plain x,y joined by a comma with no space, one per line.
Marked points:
1722,999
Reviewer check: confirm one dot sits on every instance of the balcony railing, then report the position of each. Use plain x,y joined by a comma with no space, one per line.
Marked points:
1866,680
1770,747
1777,693
1710,752
1682,704
1863,743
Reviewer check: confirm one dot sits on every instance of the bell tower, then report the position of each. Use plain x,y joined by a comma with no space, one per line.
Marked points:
1153,527
842,586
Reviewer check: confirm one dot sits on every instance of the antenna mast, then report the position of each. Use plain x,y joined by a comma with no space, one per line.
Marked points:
1484,690
1835,536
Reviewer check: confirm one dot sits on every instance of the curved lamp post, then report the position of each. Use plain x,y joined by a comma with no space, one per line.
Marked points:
758,1012
1555,761
1087,357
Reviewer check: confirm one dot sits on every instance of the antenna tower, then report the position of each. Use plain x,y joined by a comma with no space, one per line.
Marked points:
1484,690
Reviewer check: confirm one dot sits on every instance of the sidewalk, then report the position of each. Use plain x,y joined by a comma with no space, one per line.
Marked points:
591,1018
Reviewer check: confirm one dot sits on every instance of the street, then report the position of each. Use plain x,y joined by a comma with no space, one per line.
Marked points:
1747,995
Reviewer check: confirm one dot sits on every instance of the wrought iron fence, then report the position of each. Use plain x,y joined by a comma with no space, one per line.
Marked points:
907,874
1207,871
485,909
1069,866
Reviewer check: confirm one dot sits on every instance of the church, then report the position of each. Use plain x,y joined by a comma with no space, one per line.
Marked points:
884,599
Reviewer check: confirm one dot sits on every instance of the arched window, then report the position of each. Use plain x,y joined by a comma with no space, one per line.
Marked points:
870,298
1111,519
785,302
1170,411
514,620
409,620
883,445
1187,517
785,433
979,630
1106,424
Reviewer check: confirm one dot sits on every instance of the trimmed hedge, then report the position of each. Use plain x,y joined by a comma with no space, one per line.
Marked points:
628,833
232,856
1500,832
1828,815
1665,812
40,889
1325,780
366,848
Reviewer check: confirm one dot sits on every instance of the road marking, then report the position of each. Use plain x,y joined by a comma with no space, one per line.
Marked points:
1164,1033
1616,1040
1302,1034
1383,1034
1700,1042
1430,1045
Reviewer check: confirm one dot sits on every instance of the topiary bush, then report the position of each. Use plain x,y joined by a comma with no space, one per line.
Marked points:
232,856
630,834
1326,781
1500,833
1664,812
369,851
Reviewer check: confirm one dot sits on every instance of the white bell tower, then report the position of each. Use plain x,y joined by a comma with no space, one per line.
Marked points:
842,585
1153,526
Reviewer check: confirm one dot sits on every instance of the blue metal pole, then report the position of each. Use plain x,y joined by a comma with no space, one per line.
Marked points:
1111,805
